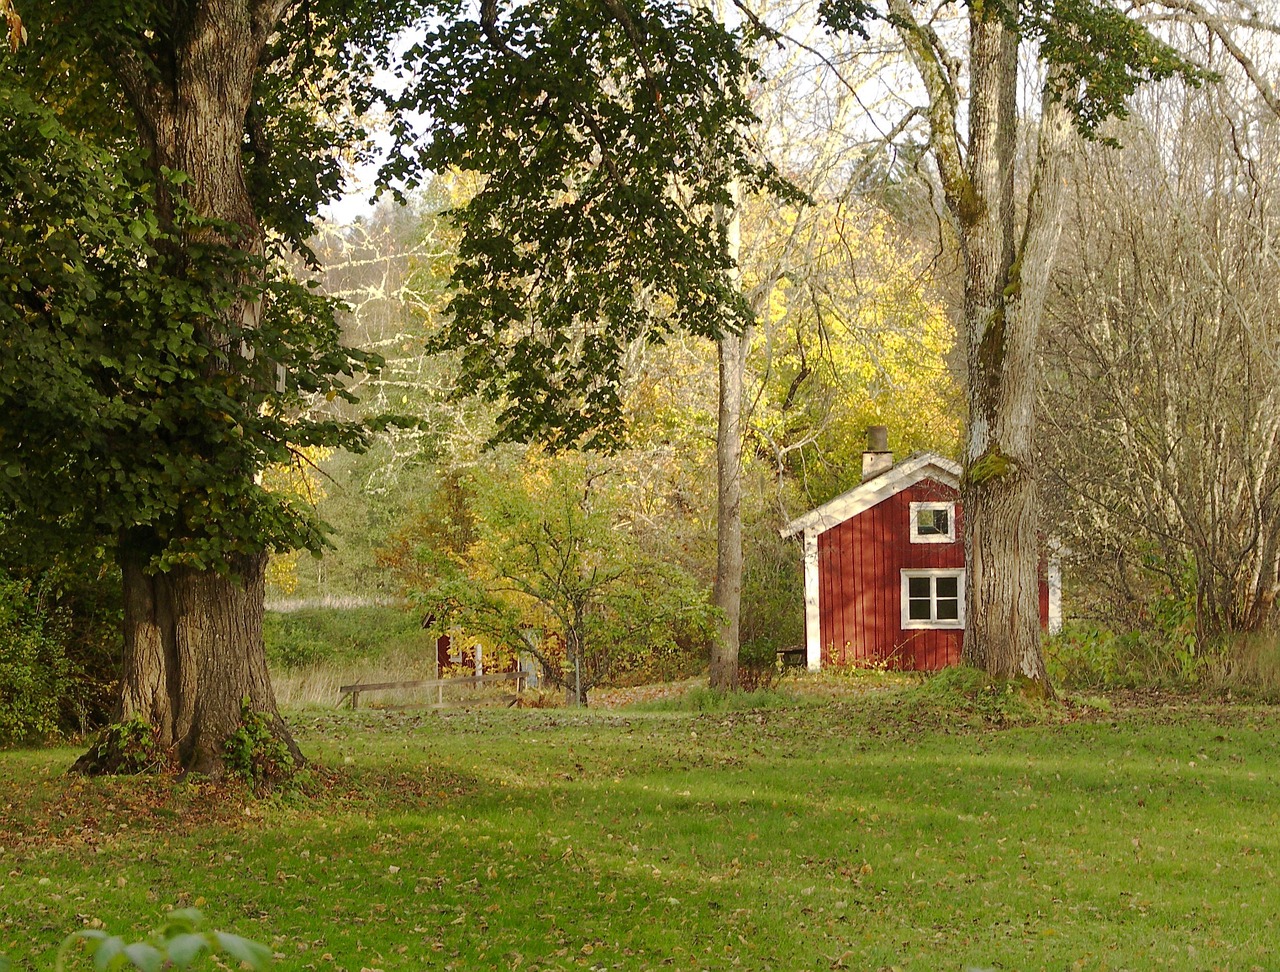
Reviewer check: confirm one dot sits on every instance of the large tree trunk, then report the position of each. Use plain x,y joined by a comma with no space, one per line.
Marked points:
194,657
1002,633
1005,287
193,638
1005,281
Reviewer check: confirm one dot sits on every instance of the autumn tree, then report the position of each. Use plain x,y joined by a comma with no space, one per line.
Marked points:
1090,59
538,555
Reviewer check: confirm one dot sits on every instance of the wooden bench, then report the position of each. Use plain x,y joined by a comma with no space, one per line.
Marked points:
439,684
793,657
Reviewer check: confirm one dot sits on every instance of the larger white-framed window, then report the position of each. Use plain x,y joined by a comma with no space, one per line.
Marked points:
933,598
933,522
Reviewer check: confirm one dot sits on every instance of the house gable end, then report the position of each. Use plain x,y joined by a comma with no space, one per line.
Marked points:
875,491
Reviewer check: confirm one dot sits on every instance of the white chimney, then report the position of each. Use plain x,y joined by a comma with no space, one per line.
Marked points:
877,459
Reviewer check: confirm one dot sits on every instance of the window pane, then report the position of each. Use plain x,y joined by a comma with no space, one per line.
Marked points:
926,523
948,586
939,521
948,609
919,587
918,609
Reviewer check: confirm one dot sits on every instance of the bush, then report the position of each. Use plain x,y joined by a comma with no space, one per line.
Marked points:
299,639
256,753
35,673
966,691
124,749
758,666
1091,658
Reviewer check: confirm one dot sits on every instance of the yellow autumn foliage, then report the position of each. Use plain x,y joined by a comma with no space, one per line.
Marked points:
298,480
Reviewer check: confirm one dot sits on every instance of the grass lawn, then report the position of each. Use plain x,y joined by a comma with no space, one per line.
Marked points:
861,835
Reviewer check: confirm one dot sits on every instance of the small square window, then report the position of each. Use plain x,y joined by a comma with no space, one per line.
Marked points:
933,598
933,522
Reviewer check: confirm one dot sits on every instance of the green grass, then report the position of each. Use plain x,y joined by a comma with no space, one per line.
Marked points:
877,835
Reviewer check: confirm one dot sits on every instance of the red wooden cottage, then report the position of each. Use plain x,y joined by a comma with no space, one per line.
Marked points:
884,566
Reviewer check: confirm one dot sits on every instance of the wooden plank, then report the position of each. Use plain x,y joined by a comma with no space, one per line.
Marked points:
433,682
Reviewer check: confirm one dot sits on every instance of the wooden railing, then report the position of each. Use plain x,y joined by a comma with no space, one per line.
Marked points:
439,684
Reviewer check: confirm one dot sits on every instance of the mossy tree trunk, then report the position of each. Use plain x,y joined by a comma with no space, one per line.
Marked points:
1006,273
194,657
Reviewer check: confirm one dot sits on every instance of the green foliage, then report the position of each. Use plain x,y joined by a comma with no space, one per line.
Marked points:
1105,53
255,751
772,615
75,589
759,667
177,944
554,569
296,639
604,136
84,401
36,676
1095,657
125,749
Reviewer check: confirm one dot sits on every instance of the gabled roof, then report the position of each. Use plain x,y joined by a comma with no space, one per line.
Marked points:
920,465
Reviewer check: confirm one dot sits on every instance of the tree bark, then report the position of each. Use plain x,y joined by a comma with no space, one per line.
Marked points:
194,657
193,638
1005,281
728,585
1006,285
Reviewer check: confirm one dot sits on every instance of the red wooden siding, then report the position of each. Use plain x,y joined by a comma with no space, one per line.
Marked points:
860,597
860,585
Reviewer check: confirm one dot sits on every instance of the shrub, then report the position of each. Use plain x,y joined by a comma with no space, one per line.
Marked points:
758,666
255,752
299,639
124,748
35,673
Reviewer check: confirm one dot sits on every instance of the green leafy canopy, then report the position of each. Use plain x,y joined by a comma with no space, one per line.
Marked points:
605,136
1105,53
118,410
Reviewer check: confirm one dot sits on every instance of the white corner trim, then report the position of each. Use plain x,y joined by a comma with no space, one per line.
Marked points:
927,465
812,613
948,537
1055,593
907,573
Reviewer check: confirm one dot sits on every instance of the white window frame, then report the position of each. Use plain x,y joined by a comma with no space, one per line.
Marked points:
910,624
948,537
